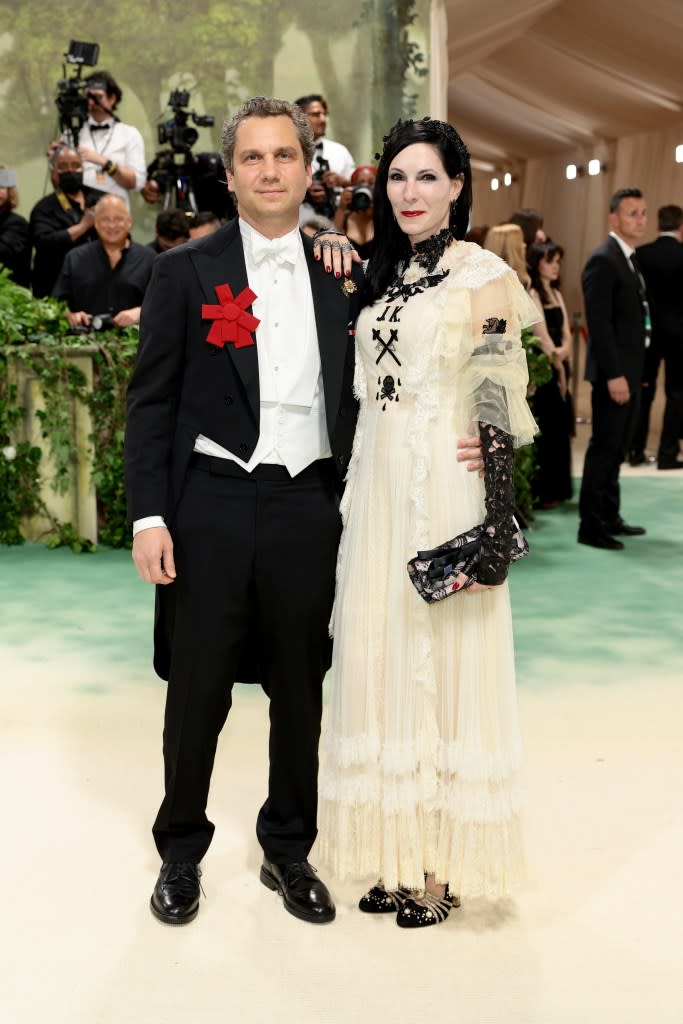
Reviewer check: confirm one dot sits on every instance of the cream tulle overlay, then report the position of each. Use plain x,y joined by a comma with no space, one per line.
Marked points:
422,752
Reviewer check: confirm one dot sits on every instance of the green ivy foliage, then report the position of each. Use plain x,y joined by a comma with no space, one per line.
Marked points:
36,332
540,372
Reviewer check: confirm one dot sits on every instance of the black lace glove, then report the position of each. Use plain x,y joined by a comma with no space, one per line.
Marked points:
499,527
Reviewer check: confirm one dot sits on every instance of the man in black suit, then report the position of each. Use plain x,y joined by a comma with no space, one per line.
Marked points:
240,424
661,263
618,332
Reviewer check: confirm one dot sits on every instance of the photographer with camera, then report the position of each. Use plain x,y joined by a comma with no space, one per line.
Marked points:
61,220
113,153
354,214
332,165
15,246
104,282
338,164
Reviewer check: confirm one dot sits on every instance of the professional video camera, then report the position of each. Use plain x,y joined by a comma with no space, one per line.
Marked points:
197,181
71,99
175,131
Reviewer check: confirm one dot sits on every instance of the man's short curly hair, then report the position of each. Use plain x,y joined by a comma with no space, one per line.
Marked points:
266,106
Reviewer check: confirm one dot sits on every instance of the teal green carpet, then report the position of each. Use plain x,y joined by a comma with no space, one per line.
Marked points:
579,613
596,615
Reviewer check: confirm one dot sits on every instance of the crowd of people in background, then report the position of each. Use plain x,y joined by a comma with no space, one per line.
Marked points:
634,314
77,246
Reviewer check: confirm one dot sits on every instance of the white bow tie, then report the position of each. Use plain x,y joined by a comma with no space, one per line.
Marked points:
281,250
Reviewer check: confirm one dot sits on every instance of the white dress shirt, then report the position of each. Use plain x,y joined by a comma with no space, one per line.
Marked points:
121,143
293,426
627,250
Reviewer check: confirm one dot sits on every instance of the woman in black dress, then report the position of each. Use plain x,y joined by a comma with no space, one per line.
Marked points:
552,402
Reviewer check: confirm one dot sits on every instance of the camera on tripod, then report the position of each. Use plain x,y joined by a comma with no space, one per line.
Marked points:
71,99
176,132
196,182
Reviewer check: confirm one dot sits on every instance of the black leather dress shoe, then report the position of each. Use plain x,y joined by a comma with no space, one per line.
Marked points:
600,540
623,529
671,464
175,899
636,458
303,893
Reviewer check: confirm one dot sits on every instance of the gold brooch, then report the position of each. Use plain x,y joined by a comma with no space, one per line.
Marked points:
349,287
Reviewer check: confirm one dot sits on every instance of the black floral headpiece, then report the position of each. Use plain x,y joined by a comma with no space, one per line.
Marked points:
442,128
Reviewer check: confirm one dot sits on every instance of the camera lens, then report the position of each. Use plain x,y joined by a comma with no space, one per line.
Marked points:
361,198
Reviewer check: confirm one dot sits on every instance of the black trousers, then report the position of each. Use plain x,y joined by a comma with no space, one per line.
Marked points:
613,427
255,556
668,347
653,357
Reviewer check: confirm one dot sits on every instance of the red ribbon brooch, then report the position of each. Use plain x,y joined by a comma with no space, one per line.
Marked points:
231,322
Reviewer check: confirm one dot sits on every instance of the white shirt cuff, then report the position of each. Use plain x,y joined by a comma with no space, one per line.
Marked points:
147,523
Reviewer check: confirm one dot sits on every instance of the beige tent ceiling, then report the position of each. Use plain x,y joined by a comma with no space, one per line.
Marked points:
533,77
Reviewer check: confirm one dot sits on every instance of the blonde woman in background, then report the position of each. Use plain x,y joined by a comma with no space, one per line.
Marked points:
507,242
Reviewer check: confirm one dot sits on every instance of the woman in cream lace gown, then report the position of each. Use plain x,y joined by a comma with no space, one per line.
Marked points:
420,784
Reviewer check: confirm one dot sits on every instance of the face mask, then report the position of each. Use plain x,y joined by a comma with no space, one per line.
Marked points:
71,181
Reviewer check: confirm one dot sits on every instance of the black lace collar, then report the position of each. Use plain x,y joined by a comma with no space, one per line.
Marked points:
428,252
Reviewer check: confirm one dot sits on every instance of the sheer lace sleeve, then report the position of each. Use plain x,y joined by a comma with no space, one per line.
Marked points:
496,375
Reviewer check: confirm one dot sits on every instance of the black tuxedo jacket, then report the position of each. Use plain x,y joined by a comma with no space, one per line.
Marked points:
183,386
661,263
614,316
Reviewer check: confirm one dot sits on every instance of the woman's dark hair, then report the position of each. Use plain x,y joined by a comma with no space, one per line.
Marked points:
535,253
392,246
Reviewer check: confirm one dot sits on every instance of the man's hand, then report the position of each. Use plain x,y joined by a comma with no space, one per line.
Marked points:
153,555
79,319
92,156
88,218
619,390
469,451
334,180
127,317
151,192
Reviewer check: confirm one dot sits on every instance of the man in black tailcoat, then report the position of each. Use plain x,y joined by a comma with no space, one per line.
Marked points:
240,423
617,317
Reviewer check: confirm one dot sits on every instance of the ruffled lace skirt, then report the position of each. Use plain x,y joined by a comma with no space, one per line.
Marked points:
421,751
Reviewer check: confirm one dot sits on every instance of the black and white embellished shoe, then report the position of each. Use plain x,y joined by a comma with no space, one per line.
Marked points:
421,911
383,901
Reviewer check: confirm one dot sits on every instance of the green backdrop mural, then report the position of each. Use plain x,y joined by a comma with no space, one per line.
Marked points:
368,57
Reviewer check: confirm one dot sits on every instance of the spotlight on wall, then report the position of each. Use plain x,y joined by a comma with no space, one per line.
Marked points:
507,179
679,154
571,171
494,184
594,167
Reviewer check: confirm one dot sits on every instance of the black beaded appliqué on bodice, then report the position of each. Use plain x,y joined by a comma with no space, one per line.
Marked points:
385,339
426,254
